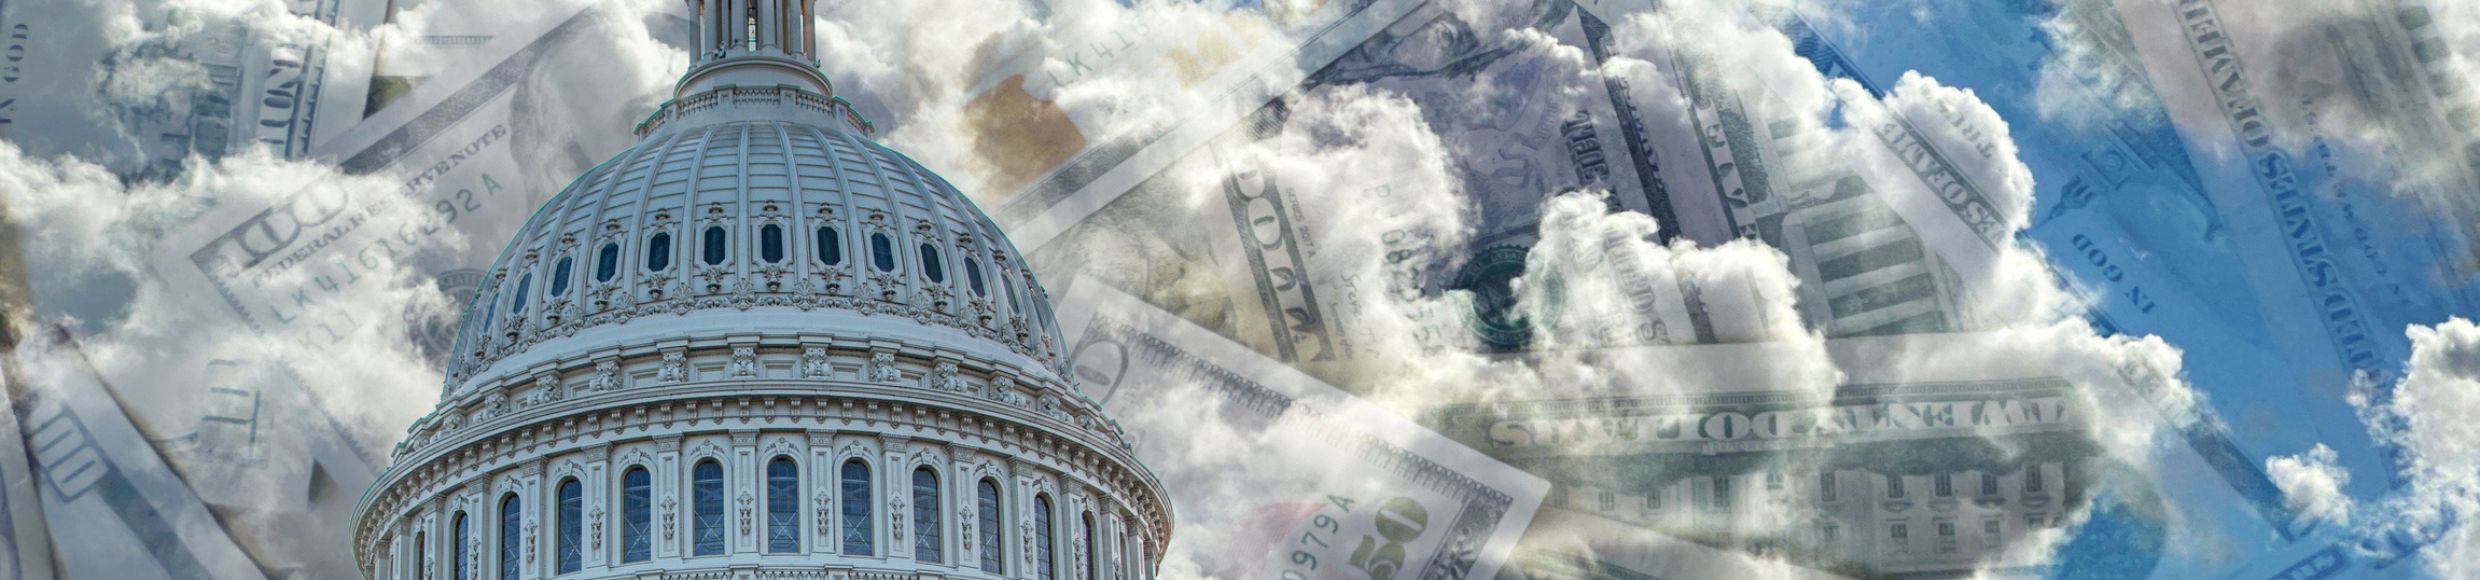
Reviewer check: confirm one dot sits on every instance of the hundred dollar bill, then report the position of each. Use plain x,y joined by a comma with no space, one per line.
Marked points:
1939,454
1278,474
28,549
1863,269
2341,267
474,151
116,508
2146,290
1067,175
199,84
1571,544
1256,267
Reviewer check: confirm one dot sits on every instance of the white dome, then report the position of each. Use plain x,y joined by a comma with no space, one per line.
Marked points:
758,344
741,226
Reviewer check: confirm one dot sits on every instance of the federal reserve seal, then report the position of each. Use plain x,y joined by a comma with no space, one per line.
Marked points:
1490,276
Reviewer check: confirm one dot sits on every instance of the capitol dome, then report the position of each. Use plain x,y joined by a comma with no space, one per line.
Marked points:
759,344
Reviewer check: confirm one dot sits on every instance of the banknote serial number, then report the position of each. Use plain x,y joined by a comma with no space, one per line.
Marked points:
1379,554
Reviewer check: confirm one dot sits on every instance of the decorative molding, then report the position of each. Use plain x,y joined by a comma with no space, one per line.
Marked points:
675,366
814,363
883,367
744,361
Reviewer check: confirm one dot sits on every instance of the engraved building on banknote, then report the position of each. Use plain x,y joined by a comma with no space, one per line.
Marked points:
758,344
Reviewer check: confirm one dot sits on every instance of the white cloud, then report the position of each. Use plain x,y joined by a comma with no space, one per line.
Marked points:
2312,483
2429,420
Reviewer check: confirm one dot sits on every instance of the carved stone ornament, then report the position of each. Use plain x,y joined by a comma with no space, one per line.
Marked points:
744,361
745,501
814,363
883,368
671,510
675,367
606,376
529,542
944,377
549,385
596,517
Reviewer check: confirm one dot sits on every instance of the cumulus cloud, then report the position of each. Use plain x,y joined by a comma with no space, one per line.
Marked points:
2429,420
2312,483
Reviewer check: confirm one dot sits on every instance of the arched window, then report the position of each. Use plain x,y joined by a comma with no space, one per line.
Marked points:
973,278
659,252
1119,529
857,528
571,527
931,266
712,248
636,515
1009,288
927,536
783,506
882,252
771,243
421,558
830,246
988,528
490,313
511,517
463,565
1045,552
559,276
517,306
607,262
1093,547
706,497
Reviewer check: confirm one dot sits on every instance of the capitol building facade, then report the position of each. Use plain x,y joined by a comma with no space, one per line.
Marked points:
760,345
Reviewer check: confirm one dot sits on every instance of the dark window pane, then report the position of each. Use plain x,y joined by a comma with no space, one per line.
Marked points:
882,252
1009,287
490,313
572,526
973,278
517,306
1045,553
637,516
830,246
857,529
931,266
713,246
988,528
783,509
706,497
1093,549
607,263
659,252
771,243
927,537
511,532
421,558
559,277
462,565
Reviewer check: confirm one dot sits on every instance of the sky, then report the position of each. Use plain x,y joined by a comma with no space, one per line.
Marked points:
2240,234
